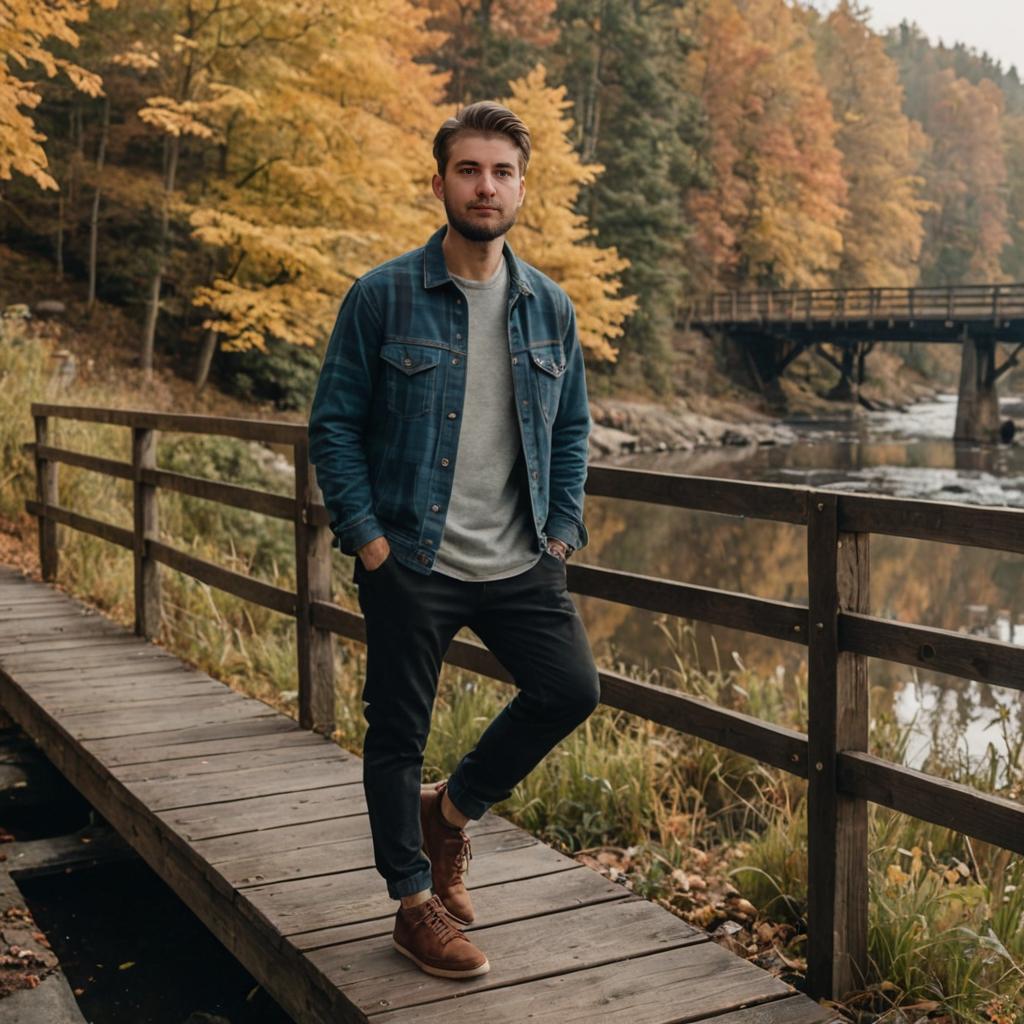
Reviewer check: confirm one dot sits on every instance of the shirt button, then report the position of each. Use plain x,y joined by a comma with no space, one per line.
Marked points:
535,474
455,361
452,415
407,361
444,462
428,542
458,337
435,508
525,402
423,557
515,362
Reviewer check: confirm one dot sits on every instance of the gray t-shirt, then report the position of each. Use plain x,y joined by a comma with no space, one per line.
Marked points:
488,530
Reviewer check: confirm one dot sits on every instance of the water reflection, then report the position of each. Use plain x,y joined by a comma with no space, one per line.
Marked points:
903,454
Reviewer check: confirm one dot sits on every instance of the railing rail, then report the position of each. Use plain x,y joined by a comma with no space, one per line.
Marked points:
836,626
992,303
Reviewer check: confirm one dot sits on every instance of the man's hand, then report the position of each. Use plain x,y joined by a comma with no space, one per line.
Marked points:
558,548
373,554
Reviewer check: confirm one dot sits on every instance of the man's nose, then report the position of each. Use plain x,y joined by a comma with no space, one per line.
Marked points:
485,185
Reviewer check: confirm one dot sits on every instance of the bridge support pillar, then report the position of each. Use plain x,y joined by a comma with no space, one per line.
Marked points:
977,410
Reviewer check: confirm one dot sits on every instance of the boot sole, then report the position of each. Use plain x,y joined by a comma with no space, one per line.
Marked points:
441,972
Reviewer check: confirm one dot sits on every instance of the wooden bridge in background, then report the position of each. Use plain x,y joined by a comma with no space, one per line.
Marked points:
259,825
774,327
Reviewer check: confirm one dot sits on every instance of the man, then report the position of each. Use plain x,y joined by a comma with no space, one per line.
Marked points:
449,434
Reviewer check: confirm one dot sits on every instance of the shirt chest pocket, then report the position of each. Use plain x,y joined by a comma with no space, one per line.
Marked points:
410,377
547,364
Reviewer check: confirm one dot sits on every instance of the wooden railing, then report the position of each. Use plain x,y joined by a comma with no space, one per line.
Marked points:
836,626
995,303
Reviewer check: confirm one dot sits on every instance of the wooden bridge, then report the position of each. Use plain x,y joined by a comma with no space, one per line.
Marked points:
773,328
259,824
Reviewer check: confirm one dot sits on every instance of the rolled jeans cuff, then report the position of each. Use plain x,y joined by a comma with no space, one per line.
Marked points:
464,801
408,886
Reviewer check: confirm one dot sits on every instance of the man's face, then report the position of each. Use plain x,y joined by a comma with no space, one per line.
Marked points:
482,188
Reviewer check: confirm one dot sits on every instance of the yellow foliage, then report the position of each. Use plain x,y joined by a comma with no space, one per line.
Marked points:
550,234
24,31
329,121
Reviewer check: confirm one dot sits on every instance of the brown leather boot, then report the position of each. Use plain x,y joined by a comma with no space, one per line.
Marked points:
427,936
449,851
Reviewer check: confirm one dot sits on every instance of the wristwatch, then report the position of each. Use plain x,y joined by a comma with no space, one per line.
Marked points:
559,548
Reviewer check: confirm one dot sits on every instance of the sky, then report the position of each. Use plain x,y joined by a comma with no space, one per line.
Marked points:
995,26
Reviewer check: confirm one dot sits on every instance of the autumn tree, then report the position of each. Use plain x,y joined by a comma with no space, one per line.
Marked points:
487,43
966,175
550,233
1013,254
619,61
27,33
315,191
773,215
882,150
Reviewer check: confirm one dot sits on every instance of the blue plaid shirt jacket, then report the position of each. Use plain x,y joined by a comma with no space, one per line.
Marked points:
385,420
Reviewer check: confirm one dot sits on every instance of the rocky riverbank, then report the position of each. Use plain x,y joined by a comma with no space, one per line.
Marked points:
621,427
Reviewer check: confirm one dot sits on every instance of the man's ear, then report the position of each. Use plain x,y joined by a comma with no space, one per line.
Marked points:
522,191
437,184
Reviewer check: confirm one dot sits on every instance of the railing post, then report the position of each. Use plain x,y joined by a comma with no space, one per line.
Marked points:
146,524
315,647
837,875
47,495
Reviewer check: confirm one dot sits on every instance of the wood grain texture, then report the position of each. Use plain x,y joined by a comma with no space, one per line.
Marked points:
993,819
698,982
939,650
587,937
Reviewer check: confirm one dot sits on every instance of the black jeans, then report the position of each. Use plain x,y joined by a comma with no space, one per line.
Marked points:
530,624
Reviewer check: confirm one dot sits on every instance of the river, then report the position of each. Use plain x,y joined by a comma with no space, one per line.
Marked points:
908,454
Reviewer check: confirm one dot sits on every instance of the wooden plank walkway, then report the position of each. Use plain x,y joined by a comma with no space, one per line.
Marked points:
261,828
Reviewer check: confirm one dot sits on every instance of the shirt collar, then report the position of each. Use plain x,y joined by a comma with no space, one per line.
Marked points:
435,270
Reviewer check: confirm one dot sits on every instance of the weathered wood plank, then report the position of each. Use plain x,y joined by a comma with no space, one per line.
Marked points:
242,784
586,937
53,513
270,431
691,983
946,522
519,858
290,837
237,817
781,503
940,650
782,620
249,589
204,764
96,463
275,505
134,695
115,753
838,719
993,819
93,727
172,733
349,897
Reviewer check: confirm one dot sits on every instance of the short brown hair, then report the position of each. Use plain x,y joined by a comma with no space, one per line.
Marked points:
486,118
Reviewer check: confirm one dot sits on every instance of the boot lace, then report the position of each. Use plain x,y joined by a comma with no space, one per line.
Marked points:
460,862
436,919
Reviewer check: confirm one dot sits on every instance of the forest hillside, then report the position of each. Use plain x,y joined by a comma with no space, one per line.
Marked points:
220,173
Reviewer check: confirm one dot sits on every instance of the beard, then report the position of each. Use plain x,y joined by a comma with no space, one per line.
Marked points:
479,231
